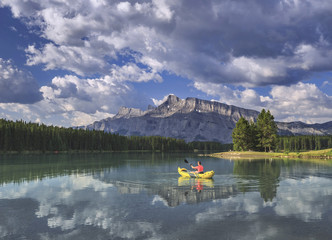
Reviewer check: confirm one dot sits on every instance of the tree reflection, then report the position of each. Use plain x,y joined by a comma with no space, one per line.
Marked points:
262,175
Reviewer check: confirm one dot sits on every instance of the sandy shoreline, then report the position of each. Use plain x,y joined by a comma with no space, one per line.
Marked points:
322,154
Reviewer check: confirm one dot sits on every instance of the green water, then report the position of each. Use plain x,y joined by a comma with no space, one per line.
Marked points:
141,196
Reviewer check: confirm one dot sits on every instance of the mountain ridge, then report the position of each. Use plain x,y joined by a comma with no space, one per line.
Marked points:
193,119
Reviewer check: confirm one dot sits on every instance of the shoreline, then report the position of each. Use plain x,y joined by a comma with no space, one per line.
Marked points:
325,154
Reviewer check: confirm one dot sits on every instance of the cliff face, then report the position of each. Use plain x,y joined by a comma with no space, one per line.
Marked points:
192,119
300,128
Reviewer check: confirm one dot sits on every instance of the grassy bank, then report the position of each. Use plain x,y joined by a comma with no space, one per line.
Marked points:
320,154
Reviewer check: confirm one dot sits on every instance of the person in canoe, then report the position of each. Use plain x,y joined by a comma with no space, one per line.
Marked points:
199,168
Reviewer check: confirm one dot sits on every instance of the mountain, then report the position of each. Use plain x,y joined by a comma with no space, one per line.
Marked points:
192,119
300,128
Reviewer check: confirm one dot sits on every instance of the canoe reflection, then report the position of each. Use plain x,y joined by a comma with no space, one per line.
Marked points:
195,183
195,190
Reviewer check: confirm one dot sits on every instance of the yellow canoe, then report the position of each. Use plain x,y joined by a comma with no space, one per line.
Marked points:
185,173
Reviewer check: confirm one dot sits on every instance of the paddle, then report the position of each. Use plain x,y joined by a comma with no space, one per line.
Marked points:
194,174
186,161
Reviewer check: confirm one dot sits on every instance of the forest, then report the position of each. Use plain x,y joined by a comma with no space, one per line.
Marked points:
262,136
303,143
22,136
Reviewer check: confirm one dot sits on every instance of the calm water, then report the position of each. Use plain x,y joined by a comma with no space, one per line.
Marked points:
141,196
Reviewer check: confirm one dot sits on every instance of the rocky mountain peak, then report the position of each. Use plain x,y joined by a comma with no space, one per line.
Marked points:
125,112
193,119
170,106
172,99
174,104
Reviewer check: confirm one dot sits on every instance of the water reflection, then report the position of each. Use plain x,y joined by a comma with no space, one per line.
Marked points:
194,191
196,183
19,168
73,207
265,172
140,198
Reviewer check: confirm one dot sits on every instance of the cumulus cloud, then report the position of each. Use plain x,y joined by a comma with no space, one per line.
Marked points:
75,59
218,43
91,95
247,43
301,101
73,101
17,86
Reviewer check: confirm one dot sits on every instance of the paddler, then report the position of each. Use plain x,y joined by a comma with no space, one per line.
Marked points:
199,168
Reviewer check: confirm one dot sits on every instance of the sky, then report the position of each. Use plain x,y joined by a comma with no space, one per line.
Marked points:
70,63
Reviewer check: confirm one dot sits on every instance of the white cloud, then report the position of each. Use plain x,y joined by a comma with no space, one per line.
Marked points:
162,10
313,57
84,38
76,59
131,72
212,43
301,101
72,101
17,86
124,7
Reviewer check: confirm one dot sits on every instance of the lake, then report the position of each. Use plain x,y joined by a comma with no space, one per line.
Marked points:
141,196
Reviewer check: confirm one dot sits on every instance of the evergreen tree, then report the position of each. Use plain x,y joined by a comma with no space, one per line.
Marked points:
266,131
241,135
252,136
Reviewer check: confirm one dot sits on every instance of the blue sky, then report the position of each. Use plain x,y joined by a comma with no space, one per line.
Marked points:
70,63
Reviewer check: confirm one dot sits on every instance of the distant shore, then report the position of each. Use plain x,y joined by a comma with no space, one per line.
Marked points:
320,154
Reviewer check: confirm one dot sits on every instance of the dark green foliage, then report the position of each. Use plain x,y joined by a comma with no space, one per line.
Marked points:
266,131
253,140
262,136
21,136
245,136
258,136
304,143
241,135
211,146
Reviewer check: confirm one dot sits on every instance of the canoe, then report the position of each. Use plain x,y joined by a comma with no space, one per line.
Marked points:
185,173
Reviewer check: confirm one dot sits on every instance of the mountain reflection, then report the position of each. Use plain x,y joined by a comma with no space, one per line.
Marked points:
266,172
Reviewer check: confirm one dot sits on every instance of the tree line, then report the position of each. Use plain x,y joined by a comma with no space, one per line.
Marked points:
22,136
303,143
262,136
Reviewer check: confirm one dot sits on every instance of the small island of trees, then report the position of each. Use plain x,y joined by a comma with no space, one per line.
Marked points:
262,136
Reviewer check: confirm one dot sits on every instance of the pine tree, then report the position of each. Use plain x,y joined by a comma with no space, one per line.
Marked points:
241,134
267,131
252,139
